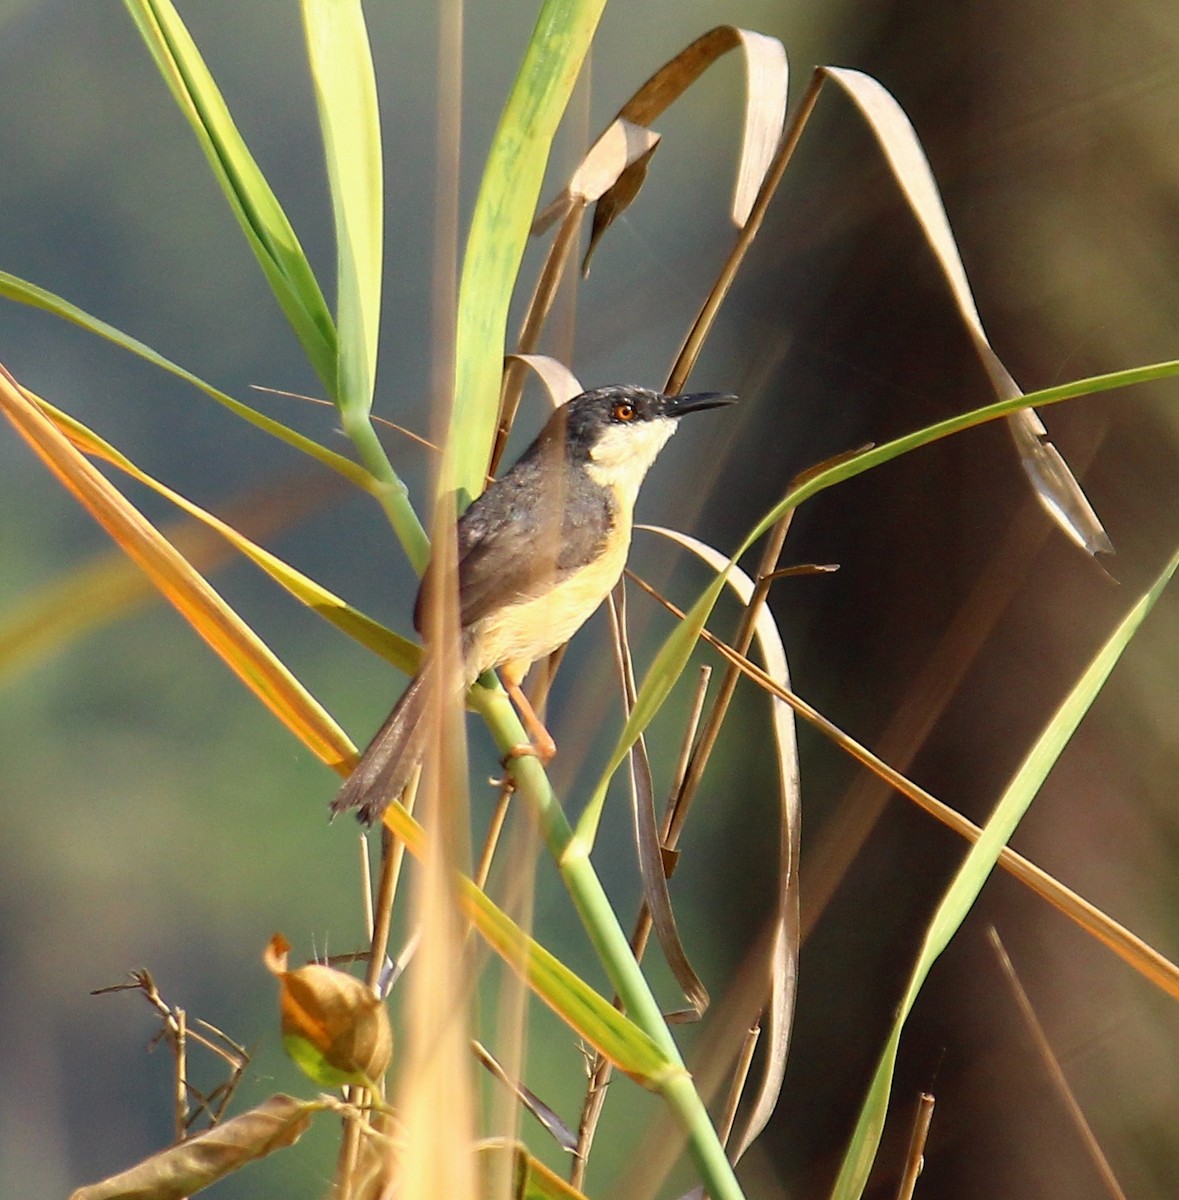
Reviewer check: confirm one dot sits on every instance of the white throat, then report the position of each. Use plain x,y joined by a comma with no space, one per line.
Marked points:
622,456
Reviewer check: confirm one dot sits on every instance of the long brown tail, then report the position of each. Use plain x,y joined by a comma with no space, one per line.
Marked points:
386,766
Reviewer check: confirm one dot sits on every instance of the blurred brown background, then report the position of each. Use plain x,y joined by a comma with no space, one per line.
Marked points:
154,815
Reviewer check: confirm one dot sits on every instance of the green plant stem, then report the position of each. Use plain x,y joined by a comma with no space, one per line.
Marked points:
393,495
611,943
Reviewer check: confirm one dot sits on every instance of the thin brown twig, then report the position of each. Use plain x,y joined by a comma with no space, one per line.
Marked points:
600,1069
176,1032
538,310
693,343
737,1083
1055,1071
180,1051
1131,949
720,706
915,1158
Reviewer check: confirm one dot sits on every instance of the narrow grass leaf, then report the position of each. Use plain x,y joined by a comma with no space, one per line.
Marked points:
784,952
503,214
974,872
676,651
587,1012
849,467
255,206
652,868
187,590
36,297
399,651
1054,484
1131,949
109,586
199,1161
531,1179
668,666
346,94
553,1125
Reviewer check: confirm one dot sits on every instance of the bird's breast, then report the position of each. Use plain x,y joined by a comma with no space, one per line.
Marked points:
531,627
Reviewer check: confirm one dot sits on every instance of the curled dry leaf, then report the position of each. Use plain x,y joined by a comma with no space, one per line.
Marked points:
332,1025
767,76
654,868
623,145
1054,484
185,1168
783,965
559,381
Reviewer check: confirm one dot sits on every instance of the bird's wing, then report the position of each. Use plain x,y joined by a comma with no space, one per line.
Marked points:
510,547
502,553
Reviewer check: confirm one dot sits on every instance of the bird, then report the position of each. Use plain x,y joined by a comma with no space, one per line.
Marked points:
537,553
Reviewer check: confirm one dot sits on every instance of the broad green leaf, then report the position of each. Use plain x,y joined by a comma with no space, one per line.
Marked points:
974,872
346,93
503,214
257,209
346,97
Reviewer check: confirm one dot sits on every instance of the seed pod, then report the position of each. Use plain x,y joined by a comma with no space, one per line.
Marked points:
332,1025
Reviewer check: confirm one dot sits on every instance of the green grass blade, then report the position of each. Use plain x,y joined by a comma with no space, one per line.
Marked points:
668,666
242,650
346,94
676,651
346,97
499,229
390,646
257,209
975,869
36,297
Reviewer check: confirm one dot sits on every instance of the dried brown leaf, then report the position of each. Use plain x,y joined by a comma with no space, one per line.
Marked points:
621,146
784,953
767,80
189,1166
333,1025
653,868
1054,484
559,381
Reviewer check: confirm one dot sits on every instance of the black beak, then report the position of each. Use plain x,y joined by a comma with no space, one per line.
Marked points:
676,406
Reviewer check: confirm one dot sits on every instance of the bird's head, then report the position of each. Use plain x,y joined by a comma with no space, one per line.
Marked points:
618,431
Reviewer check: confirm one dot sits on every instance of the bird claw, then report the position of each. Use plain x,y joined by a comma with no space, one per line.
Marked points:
523,750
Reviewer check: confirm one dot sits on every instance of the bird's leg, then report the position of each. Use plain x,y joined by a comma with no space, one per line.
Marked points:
542,745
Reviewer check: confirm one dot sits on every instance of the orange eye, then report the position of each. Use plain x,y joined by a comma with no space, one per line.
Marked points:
623,410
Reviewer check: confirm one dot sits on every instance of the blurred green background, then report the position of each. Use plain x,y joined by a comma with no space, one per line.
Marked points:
155,815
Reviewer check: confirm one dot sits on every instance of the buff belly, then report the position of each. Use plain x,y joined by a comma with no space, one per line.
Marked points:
519,634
